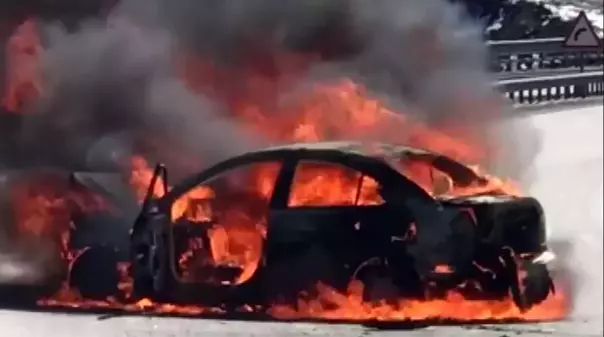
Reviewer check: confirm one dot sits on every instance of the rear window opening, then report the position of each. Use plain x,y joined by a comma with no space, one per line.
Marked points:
317,184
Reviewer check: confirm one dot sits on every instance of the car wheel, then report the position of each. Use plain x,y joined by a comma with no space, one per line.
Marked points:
530,283
537,282
94,273
377,281
288,277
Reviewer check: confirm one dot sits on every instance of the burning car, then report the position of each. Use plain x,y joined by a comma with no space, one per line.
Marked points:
296,227
402,221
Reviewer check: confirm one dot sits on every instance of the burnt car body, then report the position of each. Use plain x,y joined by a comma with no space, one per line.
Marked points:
409,239
406,243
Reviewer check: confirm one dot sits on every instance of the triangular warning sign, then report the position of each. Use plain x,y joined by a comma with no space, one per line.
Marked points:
582,34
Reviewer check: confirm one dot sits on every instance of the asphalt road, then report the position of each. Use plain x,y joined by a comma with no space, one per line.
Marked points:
567,178
20,324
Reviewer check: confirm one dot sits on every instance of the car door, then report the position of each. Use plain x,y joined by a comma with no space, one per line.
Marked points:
219,225
336,209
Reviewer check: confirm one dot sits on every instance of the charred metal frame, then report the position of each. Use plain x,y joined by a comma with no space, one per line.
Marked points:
154,222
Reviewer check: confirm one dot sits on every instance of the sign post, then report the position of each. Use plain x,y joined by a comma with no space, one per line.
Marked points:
582,36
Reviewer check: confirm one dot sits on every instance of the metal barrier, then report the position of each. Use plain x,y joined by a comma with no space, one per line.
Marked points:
553,88
527,56
542,70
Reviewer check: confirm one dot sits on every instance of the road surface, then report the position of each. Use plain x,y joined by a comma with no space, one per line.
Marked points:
568,180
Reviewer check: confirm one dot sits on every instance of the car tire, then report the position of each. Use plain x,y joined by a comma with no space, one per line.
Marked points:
378,284
533,287
289,277
94,273
538,284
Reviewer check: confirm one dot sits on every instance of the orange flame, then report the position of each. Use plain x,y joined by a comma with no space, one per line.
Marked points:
334,111
23,82
350,306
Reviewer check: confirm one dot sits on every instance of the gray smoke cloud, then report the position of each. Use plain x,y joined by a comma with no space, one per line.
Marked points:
422,56
117,75
114,80
111,83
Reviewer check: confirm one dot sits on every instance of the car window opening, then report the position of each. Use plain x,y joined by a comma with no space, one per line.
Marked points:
321,184
227,215
422,172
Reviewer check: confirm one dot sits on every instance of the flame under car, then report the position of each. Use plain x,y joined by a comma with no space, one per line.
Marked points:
266,226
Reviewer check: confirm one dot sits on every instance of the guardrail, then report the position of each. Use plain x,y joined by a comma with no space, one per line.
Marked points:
525,56
553,88
542,70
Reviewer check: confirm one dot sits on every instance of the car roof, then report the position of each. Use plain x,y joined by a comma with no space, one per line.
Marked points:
327,150
376,150
330,151
370,149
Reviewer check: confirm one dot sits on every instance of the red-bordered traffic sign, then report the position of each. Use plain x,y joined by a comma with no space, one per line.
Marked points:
583,34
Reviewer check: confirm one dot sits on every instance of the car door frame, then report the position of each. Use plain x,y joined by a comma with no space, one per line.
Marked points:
166,203
289,160
354,162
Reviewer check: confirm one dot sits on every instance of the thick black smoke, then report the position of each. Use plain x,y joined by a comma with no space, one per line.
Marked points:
114,80
110,85
116,75
427,53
